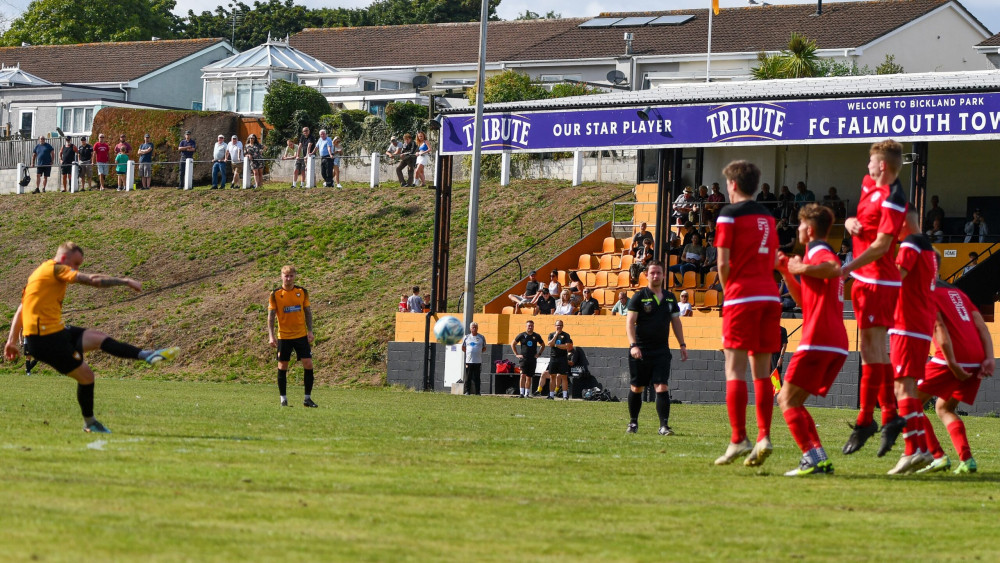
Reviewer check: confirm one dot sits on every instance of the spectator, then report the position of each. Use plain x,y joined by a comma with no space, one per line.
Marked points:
786,201
715,198
67,155
973,261
324,148
936,233
845,255
41,157
685,305
306,149
565,305
473,345
702,197
787,301
427,302
689,230
219,154
290,152
711,257
642,257
235,156
685,205
393,150
123,145
692,258
415,303
589,305
530,295
833,201
787,236
187,147
423,157
102,156
621,306
146,162
803,196
255,151
85,157
546,303
121,168
407,159
637,239
934,212
338,153
767,198
575,288
975,230
555,288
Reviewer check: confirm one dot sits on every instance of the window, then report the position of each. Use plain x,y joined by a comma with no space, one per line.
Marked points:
243,96
213,95
370,85
27,123
228,95
77,121
377,108
196,106
388,85
258,91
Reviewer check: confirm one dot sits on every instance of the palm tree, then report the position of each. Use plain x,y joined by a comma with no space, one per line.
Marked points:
799,60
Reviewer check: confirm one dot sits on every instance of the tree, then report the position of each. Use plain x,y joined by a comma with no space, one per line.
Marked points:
289,106
529,15
799,60
509,86
65,22
889,66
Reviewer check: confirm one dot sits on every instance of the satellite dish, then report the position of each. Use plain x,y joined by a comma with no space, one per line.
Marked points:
616,77
419,81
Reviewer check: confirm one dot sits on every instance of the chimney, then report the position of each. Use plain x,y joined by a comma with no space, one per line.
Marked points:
819,7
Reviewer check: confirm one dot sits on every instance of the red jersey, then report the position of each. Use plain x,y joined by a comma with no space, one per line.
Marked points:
956,309
881,209
915,310
747,230
102,152
822,305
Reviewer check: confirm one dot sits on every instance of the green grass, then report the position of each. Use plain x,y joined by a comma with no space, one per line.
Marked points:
214,471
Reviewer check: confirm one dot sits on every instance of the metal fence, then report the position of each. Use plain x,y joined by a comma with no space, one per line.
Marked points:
18,151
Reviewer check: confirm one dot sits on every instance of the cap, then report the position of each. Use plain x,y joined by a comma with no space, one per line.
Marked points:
220,136
393,138
688,190
234,137
146,135
531,273
544,290
188,132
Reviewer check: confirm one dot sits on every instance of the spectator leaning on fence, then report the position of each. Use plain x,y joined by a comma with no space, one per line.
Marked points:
975,230
306,148
85,155
102,156
219,153
338,154
235,156
407,159
145,162
67,155
324,148
41,157
187,148
255,151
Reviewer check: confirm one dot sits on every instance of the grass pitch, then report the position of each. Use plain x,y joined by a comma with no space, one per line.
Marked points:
213,471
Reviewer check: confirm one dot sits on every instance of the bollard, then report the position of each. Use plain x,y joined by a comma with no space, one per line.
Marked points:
376,162
129,175
189,174
311,171
505,168
246,172
74,177
20,174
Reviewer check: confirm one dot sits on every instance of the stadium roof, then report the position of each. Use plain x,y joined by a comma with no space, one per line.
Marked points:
842,25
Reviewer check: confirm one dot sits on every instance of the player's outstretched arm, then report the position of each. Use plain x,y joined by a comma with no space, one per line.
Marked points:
101,280
10,350
943,340
987,340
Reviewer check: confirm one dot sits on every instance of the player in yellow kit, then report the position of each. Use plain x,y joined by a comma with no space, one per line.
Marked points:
289,306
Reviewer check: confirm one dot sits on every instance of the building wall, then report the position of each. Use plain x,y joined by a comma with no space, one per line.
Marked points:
943,42
179,86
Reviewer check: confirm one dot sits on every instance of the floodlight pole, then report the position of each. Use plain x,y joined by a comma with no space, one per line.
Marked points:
477,149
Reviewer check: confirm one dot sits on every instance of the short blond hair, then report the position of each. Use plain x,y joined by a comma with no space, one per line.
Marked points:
288,270
890,152
69,247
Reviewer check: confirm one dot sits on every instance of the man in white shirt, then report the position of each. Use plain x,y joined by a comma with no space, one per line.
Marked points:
235,155
473,345
219,164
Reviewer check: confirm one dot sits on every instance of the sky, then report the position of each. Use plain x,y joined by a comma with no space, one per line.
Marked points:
987,11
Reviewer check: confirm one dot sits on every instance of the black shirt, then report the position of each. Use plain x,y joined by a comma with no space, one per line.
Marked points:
408,149
531,288
769,196
86,151
589,307
652,325
68,154
530,344
306,143
546,305
639,237
559,353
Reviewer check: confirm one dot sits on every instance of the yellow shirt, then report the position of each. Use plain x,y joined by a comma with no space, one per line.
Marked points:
41,301
290,307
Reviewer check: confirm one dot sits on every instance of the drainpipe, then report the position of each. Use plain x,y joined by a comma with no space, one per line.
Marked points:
124,91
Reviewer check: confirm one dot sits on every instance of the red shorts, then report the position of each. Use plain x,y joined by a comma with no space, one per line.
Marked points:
814,370
940,382
874,305
752,326
908,355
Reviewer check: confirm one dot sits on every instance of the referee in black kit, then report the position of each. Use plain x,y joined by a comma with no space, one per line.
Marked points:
650,312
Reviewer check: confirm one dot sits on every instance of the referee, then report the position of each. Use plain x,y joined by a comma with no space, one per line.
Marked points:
649,312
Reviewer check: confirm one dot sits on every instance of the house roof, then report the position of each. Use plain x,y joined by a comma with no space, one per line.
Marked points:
751,29
275,54
799,88
991,42
13,76
88,63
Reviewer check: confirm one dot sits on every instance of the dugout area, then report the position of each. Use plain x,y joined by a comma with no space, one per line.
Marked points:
813,130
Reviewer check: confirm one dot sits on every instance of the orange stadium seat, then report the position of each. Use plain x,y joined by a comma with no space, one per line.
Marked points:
588,262
690,280
611,245
711,298
710,279
602,278
606,262
626,262
509,310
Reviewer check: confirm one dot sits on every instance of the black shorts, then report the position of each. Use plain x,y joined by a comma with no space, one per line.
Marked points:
301,346
66,169
653,368
45,170
558,366
62,350
527,365
300,165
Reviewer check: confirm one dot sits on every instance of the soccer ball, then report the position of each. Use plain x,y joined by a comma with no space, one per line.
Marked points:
448,331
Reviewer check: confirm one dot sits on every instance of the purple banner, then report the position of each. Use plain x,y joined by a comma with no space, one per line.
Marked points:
943,117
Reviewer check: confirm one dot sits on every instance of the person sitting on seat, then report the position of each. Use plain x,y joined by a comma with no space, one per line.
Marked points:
685,305
691,259
621,306
530,295
589,305
546,303
638,238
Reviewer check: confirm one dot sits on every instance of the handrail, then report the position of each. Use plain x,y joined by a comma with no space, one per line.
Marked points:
958,273
517,259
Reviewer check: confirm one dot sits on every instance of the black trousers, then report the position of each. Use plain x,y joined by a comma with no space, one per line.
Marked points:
472,383
326,169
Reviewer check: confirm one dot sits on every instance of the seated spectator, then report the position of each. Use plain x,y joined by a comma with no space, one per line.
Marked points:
787,236
934,212
415,303
555,288
845,254
621,306
564,306
676,246
711,263
546,303
589,305
692,258
833,201
689,229
637,239
715,199
786,203
803,196
973,261
767,198
575,288
685,205
530,295
975,230
787,301
936,233
644,255
685,305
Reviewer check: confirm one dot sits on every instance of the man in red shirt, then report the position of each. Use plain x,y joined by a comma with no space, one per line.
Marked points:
823,347
881,208
910,341
747,246
102,155
963,357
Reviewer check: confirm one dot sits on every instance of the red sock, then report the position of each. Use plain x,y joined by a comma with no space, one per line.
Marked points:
871,380
795,417
931,438
763,393
911,410
887,394
736,404
960,440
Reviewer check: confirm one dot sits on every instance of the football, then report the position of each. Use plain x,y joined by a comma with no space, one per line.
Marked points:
448,331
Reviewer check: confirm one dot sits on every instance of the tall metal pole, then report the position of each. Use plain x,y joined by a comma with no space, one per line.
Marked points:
477,149
708,56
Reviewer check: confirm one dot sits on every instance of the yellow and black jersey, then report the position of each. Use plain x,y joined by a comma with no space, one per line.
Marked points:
290,306
41,301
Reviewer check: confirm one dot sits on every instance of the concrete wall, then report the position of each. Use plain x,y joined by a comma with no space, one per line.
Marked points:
179,86
942,42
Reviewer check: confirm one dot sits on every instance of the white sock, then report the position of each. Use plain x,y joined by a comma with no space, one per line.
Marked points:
552,393
284,398
307,397
565,394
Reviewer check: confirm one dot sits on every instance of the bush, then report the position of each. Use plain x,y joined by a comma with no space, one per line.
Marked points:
406,117
288,107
